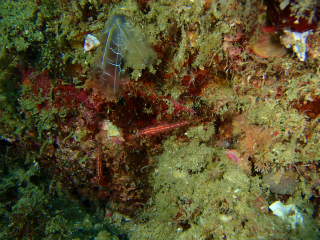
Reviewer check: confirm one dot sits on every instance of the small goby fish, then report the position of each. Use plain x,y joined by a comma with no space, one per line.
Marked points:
99,171
163,128
99,163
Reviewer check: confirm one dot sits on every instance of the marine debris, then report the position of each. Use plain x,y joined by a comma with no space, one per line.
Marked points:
288,213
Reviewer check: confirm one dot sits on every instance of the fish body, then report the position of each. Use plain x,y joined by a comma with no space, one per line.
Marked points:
163,128
99,163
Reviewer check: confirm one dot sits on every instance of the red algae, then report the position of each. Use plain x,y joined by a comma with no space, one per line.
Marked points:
310,107
69,96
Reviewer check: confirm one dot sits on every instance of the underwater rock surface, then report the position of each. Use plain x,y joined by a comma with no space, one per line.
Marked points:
203,120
